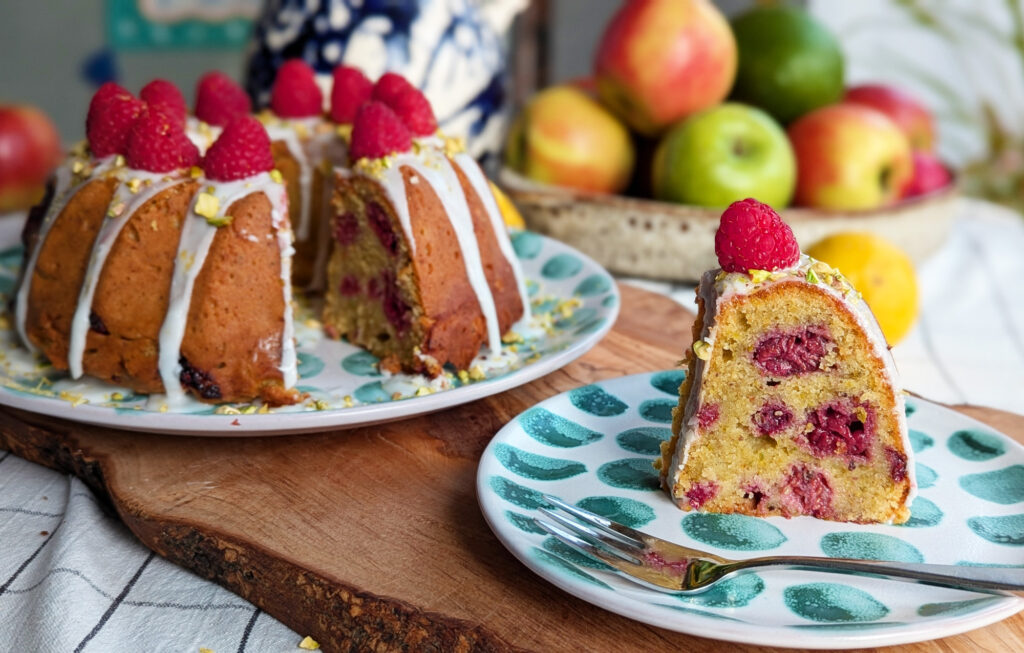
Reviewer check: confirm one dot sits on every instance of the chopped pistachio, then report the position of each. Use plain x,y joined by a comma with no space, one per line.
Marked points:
702,349
348,401
203,649
463,376
77,167
276,175
227,410
321,404
811,276
195,172
134,185
117,396
758,276
116,209
344,132
119,161
424,390
207,205
300,130
309,644
477,373
220,221
264,409
511,337
249,410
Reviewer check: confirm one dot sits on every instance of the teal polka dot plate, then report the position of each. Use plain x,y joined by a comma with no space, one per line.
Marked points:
574,304
593,447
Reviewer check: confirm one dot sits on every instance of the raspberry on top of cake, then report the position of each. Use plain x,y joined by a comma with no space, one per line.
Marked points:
791,404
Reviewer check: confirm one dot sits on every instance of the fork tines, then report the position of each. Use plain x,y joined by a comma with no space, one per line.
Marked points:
592,534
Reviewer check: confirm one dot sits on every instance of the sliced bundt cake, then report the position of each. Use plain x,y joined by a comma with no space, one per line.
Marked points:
422,273
791,404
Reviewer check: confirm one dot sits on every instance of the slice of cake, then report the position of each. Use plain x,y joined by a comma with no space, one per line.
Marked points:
790,404
422,273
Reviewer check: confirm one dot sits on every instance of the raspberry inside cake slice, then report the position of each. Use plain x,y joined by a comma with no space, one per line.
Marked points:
790,405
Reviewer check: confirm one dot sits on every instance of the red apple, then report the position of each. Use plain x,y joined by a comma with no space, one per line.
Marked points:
662,60
29,151
849,156
929,175
566,138
909,115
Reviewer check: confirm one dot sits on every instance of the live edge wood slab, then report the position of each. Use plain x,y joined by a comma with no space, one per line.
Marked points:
371,539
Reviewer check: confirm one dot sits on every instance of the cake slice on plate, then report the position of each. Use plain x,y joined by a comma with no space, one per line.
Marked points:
791,404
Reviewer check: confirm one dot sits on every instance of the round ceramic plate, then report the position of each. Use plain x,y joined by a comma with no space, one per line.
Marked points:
574,303
593,447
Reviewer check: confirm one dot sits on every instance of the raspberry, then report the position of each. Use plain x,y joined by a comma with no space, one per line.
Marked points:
295,93
112,113
157,143
378,132
164,93
390,86
242,150
350,91
408,103
752,236
414,110
219,100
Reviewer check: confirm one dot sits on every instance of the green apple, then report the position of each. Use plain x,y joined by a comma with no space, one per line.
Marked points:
724,154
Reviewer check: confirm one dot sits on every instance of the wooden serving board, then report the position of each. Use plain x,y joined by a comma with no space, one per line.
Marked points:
371,539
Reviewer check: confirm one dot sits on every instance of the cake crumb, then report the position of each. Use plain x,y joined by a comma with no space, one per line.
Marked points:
309,644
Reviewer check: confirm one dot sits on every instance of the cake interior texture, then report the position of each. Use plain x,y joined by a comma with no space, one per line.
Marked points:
787,411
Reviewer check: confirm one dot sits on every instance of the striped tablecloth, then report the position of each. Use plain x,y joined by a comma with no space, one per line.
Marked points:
72,578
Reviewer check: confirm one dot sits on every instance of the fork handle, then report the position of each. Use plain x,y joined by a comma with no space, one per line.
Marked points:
998,579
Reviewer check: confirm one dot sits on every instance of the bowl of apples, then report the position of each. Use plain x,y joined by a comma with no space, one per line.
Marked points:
634,165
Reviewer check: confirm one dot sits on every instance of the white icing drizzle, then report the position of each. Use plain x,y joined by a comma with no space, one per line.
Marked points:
476,178
196,237
124,204
715,291
62,192
201,134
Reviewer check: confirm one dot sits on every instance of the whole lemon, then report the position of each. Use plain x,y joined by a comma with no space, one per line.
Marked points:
509,213
882,273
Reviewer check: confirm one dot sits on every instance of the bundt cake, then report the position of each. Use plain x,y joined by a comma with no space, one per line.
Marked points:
790,404
162,257
150,272
422,273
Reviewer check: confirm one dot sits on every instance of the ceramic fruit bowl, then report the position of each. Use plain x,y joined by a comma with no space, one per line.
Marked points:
660,240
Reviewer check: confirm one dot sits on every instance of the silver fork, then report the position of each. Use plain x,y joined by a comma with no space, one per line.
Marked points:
668,567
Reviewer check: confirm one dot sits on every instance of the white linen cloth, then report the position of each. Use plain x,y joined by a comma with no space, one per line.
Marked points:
73,578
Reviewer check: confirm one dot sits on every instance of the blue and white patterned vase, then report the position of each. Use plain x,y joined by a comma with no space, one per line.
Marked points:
450,49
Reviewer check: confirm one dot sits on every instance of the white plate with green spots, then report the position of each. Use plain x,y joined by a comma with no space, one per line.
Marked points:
593,447
575,302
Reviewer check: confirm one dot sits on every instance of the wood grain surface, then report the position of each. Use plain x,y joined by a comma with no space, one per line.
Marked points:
371,539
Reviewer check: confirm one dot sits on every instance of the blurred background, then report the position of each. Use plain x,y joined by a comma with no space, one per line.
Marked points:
964,59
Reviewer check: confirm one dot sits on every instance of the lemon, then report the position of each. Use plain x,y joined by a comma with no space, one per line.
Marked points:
882,273
509,213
